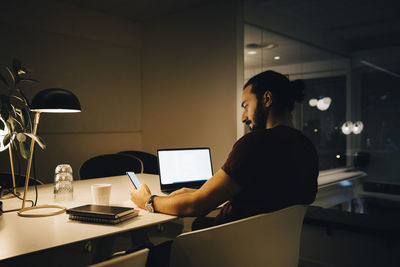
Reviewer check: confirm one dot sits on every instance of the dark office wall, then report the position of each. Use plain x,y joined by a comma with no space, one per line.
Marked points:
190,79
95,56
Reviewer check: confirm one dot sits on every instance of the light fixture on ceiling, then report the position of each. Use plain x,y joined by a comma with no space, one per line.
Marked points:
358,126
347,127
324,103
313,102
261,45
277,57
270,46
252,52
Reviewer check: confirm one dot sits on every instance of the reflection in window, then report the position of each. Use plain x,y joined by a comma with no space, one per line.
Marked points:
380,112
325,76
323,127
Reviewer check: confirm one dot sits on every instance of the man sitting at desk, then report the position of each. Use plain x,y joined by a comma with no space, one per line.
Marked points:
272,167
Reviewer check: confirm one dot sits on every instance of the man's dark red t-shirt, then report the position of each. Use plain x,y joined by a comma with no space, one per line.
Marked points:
276,168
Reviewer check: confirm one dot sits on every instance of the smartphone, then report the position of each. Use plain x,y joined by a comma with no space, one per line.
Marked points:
134,179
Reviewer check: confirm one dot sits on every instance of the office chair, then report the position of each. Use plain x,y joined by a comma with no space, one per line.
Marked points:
109,165
271,239
137,259
150,161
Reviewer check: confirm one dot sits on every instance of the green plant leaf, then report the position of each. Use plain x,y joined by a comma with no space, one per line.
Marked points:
24,97
18,113
37,139
24,150
17,65
18,98
16,126
29,80
27,118
11,75
7,139
5,113
41,142
2,125
4,80
21,137
13,111
8,126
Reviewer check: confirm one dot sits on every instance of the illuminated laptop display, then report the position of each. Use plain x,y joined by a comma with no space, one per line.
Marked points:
184,167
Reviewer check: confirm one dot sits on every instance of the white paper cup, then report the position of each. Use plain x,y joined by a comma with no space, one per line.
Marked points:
101,194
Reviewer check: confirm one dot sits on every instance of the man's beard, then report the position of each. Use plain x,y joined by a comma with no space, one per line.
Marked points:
260,117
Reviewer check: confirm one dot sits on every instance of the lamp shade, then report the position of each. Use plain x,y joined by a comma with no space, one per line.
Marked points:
55,100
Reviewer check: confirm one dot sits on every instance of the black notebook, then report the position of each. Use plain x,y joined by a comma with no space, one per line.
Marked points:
102,214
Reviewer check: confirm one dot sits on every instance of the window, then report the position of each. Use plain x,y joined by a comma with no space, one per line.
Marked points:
323,127
325,75
380,113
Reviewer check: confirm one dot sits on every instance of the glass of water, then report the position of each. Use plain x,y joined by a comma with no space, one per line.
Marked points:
63,189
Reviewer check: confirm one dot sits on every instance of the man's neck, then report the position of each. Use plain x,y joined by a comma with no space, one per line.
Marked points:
284,119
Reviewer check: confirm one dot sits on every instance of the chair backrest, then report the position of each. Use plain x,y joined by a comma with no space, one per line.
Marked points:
271,239
109,165
150,161
136,259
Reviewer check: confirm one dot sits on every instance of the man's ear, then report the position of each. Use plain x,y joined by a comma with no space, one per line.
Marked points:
267,99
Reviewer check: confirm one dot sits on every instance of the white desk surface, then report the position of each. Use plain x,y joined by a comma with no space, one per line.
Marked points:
21,235
329,177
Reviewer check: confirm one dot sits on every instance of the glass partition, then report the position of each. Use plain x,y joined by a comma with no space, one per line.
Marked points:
327,77
378,86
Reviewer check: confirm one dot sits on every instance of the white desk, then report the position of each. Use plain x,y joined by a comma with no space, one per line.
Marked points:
22,235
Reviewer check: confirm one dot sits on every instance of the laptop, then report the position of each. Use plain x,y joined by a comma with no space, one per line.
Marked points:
184,167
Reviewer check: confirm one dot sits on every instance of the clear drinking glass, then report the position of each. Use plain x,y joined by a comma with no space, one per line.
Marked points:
63,189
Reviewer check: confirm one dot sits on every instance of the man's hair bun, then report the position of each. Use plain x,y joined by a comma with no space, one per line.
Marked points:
298,87
284,92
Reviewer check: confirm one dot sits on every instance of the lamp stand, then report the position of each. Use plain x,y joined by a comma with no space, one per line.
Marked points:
12,171
14,193
28,172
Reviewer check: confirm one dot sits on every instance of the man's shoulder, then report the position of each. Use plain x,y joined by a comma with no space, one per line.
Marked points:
271,137
253,139
262,134
249,137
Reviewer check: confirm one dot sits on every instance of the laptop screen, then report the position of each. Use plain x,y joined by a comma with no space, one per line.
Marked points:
185,167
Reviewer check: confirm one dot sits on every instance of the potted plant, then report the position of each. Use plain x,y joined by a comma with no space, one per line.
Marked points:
15,118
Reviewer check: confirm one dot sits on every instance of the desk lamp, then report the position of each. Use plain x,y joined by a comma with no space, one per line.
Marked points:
52,100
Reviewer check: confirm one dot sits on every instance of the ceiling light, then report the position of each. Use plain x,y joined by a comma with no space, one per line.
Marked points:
252,52
324,103
270,46
277,57
313,102
261,45
358,127
347,127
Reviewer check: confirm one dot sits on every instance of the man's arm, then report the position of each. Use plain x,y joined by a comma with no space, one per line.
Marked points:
182,191
199,202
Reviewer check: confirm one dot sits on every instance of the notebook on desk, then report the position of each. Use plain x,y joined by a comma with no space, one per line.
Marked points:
101,214
184,167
